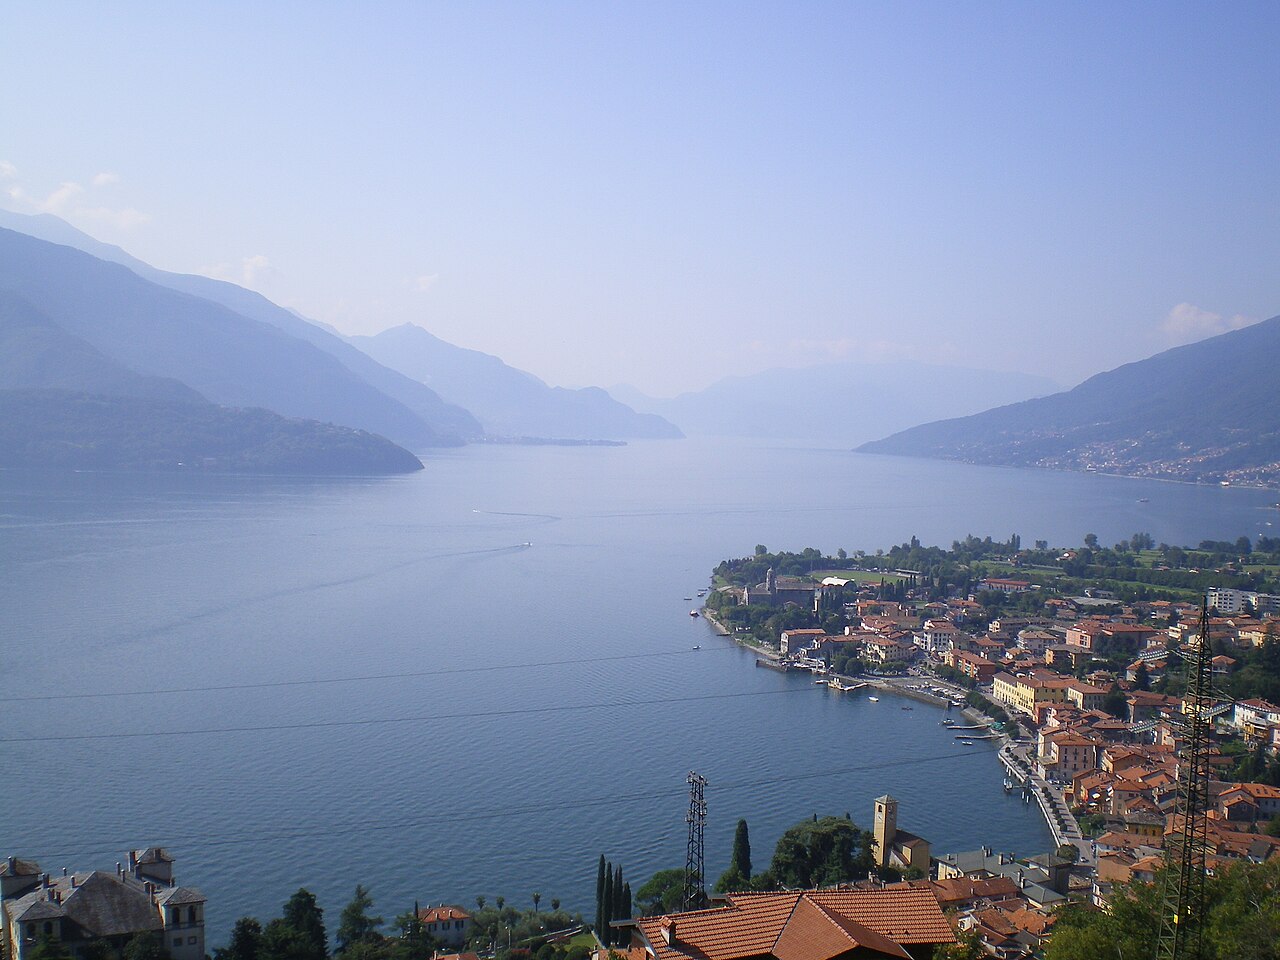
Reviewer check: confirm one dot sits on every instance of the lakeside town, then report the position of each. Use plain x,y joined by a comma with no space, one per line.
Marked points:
1072,662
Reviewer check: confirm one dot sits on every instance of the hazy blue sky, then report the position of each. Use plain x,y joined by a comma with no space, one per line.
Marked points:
663,194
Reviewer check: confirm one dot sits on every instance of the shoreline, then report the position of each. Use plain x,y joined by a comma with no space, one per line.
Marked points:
1007,754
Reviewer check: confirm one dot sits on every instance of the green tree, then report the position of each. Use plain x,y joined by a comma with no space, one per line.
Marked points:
299,933
47,948
1091,541
968,946
354,924
738,876
601,873
1141,677
662,893
537,898
1115,703
816,853
144,946
245,942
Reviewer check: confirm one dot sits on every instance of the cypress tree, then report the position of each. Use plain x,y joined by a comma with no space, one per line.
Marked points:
606,931
616,899
626,901
741,859
600,918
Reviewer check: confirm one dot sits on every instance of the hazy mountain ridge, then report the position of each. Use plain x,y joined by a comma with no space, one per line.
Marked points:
508,401
37,353
1206,411
68,430
841,403
441,422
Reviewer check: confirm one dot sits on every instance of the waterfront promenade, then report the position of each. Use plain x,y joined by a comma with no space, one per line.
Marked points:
1017,756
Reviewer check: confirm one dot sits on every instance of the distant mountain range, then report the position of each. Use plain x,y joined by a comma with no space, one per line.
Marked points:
311,372
67,430
1207,411
509,402
840,403
80,318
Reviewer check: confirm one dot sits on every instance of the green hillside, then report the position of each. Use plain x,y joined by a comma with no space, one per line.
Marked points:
66,430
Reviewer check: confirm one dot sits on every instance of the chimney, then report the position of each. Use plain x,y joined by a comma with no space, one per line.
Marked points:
133,858
668,930
13,866
119,870
64,871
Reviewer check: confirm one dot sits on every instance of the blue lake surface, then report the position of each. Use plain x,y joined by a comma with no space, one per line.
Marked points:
515,689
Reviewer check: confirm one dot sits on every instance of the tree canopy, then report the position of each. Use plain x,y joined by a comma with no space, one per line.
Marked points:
819,852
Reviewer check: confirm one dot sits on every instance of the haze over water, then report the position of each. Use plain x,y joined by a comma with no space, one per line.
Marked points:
524,612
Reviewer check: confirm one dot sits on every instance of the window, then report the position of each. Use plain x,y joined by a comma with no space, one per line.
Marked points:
177,941
191,914
48,928
191,940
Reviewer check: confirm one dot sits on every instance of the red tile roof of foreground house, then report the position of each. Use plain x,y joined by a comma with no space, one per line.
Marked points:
813,925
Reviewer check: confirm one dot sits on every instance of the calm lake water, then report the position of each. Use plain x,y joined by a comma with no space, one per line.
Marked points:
515,688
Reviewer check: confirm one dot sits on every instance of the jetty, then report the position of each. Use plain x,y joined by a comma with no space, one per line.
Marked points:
837,684
779,665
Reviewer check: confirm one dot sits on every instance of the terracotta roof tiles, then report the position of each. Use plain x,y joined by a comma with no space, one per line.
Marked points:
812,925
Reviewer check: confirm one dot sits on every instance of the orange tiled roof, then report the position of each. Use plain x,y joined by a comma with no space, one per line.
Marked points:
813,925
442,912
958,889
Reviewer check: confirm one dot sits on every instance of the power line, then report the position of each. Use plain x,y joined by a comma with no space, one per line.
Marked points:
320,724
380,823
272,684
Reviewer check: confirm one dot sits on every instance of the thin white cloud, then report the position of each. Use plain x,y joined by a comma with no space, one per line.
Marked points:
1187,323
254,272
72,201
123,218
425,282
60,199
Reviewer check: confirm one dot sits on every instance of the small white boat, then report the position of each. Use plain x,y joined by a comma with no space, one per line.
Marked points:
874,699
693,613
697,646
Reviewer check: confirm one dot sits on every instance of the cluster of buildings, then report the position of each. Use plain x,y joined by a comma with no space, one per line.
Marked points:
1105,741
82,911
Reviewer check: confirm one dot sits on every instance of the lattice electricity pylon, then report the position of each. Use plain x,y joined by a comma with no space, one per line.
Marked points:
695,891
1182,925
